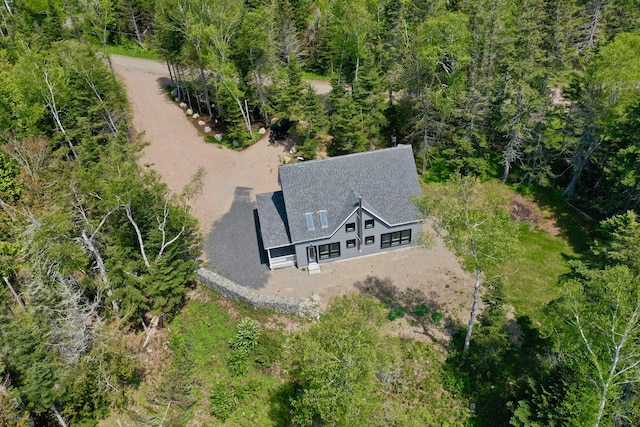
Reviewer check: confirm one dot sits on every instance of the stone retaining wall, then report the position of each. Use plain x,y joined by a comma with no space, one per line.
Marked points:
281,304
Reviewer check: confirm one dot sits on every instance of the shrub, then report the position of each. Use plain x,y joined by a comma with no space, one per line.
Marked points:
245,342
396,313
436,317
421,310
247,334
269,350
223,401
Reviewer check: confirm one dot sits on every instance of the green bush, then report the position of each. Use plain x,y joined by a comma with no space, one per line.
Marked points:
421,310
269,350
223,401
247,334
238,363
396,313
436,317
245,342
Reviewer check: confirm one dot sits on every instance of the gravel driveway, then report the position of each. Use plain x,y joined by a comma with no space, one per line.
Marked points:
226,207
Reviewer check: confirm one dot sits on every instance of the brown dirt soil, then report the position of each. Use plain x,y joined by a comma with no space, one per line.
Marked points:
524,210
176,151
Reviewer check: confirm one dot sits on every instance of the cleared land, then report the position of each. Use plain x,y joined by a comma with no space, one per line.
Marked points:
225,209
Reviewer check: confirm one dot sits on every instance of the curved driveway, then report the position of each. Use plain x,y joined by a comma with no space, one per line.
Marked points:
176,151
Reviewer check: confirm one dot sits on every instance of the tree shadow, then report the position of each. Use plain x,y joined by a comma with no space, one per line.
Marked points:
280,404
163,82
421,309
498,368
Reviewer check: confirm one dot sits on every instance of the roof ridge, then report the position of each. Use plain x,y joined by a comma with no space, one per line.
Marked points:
301,164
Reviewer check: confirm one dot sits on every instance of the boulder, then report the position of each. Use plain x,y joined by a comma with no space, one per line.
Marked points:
183,105
201,123
218,136
207,129
262,131
189,112
196,116
177,99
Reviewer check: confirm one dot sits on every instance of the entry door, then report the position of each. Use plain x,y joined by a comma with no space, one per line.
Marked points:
311,252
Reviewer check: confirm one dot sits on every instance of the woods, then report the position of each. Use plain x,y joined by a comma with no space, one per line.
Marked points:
532,95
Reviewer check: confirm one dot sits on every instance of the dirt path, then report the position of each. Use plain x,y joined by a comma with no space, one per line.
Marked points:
176,151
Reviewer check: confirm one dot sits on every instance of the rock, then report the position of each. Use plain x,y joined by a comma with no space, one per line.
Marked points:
207,129
315,297
293,150
262,131
183,105
189,112
236,144
177,99
218,136
196,116
174,92
201,123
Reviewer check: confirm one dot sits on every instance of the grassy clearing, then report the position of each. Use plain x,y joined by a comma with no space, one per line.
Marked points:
133,51
542,263
307,75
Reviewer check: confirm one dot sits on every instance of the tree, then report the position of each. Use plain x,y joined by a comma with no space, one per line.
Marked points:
476,227
598,337
335,367
607,89
620,243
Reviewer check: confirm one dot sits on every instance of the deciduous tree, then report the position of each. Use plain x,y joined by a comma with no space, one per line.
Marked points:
477,229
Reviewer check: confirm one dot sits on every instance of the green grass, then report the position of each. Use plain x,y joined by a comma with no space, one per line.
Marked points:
308,75
541,264
133,51
204,330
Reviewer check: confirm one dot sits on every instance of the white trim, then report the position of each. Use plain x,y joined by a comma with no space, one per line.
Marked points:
416,221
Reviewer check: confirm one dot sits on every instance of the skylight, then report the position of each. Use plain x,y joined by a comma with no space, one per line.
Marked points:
323,219
309,217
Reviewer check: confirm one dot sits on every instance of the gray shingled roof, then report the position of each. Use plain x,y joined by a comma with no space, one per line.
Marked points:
273,220
386,180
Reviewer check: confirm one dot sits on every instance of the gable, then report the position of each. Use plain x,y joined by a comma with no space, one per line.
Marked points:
385,179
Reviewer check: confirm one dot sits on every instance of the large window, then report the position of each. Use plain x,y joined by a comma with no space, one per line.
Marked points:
396,238
331,250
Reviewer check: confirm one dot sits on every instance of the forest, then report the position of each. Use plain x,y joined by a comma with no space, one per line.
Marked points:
536,97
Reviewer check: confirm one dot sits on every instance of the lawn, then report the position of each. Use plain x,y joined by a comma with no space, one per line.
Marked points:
308,75
538,269
132,51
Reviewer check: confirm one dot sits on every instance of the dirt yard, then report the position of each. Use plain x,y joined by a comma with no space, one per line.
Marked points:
176,150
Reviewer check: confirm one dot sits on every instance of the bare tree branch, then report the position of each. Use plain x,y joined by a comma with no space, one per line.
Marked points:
127,208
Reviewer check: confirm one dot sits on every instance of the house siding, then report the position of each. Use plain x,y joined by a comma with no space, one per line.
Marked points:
341,236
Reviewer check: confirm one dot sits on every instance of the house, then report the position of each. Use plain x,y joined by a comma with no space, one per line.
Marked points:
339,208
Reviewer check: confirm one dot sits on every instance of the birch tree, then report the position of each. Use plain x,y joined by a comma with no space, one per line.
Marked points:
602,339
476,228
